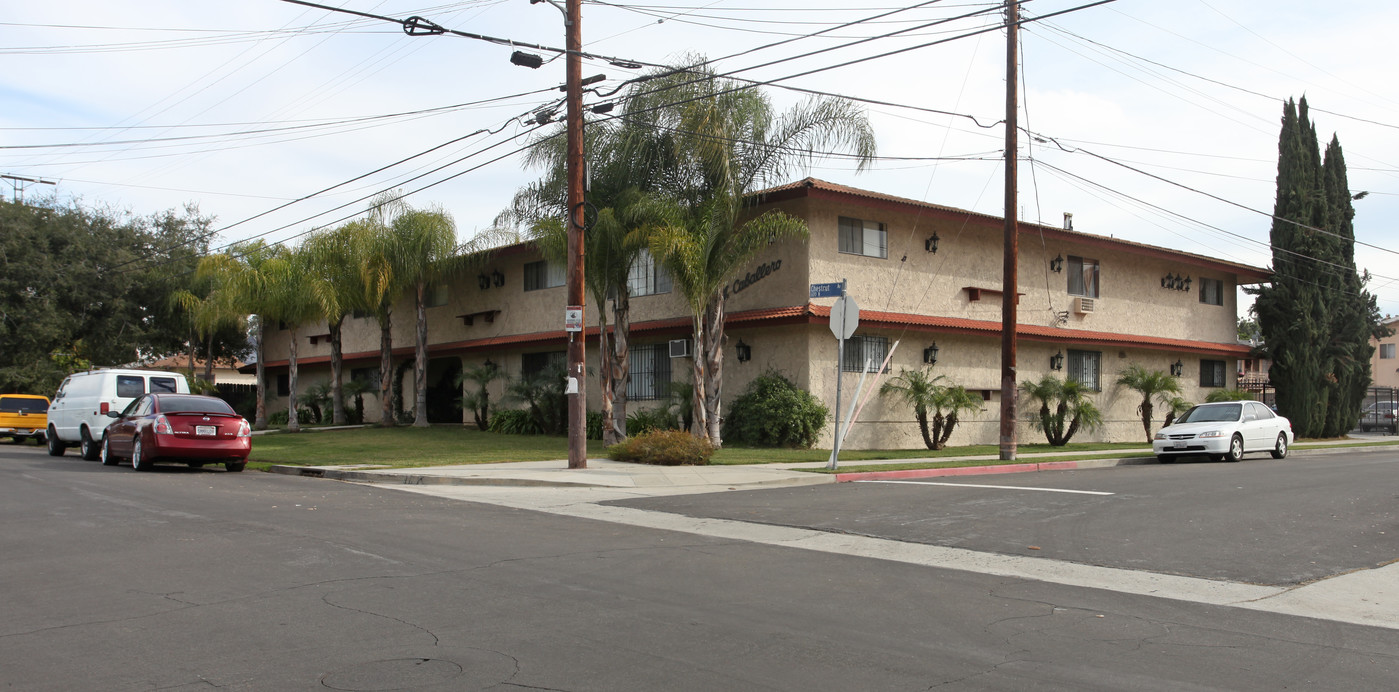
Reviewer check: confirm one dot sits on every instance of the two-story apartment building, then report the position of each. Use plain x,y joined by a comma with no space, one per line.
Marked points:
1384,362
927,279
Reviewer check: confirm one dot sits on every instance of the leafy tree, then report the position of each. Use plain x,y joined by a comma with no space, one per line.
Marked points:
1150,384
920,389
1316,318
1064,408
723,142
242,278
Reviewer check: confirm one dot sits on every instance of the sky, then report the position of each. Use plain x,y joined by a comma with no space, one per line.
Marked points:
1154,121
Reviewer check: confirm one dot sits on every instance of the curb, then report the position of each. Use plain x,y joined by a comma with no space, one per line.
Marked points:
991,470
419,479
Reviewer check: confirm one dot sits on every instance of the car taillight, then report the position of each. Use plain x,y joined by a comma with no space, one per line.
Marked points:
244,430
104,408
162,426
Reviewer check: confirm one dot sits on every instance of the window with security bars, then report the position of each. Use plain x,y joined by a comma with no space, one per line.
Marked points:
542,274
1085,367
860,350
532,364
859,237
647,276
650,372
1083,277
1211,373
1211,291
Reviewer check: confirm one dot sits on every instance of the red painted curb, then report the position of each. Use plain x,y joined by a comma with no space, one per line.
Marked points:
958,471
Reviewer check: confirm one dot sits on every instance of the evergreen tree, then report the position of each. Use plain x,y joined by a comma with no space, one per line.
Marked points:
1315,317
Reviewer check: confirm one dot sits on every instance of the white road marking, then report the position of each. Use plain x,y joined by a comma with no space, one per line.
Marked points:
997,487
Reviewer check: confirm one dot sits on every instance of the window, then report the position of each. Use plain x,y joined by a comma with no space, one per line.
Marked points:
1211,373
1084,367
130,385
1211,291
861,349
650,372
283,385
162,384
541,274
532,364
369,376
647,276
866,238
435,295
1083,277
1260,412
1386,350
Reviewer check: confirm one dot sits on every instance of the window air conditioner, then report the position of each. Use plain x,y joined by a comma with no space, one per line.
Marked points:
1084,306
679,348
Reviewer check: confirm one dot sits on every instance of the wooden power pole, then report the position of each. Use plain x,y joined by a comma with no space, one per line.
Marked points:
577,380
1010,280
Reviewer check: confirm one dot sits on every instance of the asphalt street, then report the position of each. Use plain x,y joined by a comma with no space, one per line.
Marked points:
197,579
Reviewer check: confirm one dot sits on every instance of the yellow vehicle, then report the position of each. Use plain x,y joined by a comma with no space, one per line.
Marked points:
23,416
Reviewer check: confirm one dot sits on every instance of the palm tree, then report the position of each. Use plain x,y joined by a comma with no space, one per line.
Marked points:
208,315
241,277
919,389
723,143
479,401
383,284
1150,384
425,246
1174,407
1061,401
336,257
294,298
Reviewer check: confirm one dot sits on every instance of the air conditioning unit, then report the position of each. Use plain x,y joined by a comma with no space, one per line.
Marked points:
679,348
1084,306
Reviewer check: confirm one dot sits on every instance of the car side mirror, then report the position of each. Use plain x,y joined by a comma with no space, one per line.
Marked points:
114,414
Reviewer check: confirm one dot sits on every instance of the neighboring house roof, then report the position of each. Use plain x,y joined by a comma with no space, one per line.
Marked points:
819,189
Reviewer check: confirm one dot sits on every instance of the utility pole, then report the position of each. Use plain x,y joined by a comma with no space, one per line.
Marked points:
577,397
1010,280
17,182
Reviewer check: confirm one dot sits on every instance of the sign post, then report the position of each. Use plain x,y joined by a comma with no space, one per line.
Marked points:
845,317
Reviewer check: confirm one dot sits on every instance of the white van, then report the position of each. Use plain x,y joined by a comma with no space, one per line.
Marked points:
78,414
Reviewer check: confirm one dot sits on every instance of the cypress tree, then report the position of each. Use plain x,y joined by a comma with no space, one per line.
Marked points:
1315,316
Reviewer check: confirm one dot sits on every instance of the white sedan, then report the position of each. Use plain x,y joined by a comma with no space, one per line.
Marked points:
1226,430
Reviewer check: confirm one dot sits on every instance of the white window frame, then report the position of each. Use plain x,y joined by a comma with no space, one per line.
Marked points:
860,237
1089,275
546,274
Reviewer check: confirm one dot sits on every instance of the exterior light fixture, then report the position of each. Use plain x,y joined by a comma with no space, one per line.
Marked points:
744,351
1186,285
1056,265
930,354
489,364
1177,368
1168,281
1056,361
931,244
483,282
524,59
498,278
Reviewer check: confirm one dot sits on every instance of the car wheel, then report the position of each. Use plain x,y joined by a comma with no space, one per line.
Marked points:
1280,449
139,462
234,466
1236,449
56,448
89,447
108,459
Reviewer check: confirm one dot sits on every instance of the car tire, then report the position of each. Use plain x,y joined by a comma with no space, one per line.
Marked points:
234,466
56,448
108,459
139,462
88,447
1280,448
1236,449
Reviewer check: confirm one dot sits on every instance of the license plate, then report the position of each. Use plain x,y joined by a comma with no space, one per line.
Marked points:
1179,444
205,429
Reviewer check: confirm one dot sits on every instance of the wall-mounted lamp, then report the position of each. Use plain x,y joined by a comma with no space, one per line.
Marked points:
1168,281
1056,265
1056,361
931,244
744,351
1186,285
489,364
498,278
930,354
483,282
524,59
1177,368
1175,282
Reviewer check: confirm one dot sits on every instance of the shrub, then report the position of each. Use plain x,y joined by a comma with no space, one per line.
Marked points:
773,412
1229,395
595,425
279,418
663,448
514,422
649,420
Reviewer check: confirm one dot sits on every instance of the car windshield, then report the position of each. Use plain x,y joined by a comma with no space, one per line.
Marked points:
14,404
1212,414
194,404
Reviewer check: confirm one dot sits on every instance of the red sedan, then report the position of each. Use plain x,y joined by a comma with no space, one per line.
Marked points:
184,428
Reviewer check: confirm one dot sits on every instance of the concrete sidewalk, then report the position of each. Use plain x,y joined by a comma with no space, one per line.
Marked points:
604,473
